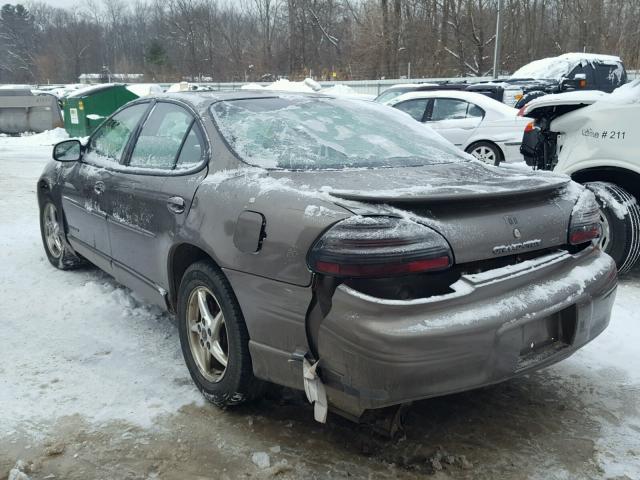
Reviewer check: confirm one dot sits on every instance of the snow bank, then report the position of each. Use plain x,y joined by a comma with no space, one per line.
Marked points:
308,85
346,91
252,86
285,85
30,140
187,87
144,89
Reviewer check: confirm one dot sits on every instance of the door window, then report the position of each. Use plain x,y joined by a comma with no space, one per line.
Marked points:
415,108
475,111
608,76
161,137
448,109
192,149
453,109
108,143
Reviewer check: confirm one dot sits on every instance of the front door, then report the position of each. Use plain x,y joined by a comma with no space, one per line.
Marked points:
150,196
83,196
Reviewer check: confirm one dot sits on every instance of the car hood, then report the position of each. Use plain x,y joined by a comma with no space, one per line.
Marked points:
469,180
578,97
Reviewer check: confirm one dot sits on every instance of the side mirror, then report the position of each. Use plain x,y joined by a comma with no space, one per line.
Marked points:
67,151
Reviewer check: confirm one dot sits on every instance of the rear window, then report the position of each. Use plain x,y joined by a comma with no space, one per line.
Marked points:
389,95
298,132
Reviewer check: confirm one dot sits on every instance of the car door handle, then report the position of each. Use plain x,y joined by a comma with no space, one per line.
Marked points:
99,187
176,204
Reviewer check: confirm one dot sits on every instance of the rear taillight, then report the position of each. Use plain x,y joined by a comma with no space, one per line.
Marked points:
585,219
379,247
529,127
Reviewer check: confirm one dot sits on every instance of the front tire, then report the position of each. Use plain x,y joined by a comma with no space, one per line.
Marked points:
214,337
620,218
486,152
54,239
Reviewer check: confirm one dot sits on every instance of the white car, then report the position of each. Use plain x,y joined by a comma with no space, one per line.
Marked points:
595,138
487,129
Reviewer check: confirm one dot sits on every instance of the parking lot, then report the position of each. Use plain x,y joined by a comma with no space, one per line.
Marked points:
93,385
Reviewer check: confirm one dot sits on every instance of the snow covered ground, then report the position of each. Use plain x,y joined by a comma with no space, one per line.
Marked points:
92,385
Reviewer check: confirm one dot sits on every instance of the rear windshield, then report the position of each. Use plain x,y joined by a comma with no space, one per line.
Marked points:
299,132
385,97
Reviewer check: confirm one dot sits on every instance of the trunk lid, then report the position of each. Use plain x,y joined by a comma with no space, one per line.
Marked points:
483,211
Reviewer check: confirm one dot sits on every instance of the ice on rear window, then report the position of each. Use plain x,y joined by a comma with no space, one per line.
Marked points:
299,132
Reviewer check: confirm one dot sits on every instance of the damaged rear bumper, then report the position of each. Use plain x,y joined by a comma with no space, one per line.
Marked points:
496,325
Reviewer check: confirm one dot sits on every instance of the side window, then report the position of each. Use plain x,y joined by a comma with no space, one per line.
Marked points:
415,108
448,109
608,76
587,70
161,137
475,111
109,142
192,149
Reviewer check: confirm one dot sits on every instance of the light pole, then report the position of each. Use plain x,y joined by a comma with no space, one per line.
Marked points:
496,51
400,50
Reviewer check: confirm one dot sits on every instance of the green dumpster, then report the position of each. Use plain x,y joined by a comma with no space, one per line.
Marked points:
86,108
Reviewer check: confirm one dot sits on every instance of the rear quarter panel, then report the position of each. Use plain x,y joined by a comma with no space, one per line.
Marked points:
293,220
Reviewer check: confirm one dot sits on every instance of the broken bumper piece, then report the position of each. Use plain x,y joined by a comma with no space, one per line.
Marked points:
495,325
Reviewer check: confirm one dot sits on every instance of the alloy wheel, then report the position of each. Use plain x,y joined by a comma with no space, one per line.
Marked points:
605,237
207,334
52,232
484,154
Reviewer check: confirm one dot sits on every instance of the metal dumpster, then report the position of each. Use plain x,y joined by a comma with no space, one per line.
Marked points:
22,111
86,108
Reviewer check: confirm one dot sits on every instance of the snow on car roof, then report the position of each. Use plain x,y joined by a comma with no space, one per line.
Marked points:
556,67
479,99
410,85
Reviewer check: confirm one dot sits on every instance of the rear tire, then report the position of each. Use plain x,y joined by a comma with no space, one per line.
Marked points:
486,152
214,337
54,238
620,216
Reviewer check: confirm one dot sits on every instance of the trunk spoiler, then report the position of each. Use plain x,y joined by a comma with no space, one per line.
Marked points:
453,193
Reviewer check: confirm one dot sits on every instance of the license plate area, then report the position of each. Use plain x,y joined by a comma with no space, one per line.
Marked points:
547,336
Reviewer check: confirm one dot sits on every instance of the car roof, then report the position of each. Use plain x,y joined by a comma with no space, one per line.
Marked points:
402,86
202,98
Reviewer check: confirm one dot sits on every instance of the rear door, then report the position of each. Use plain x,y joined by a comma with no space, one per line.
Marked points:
150,196
454,119
83,196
